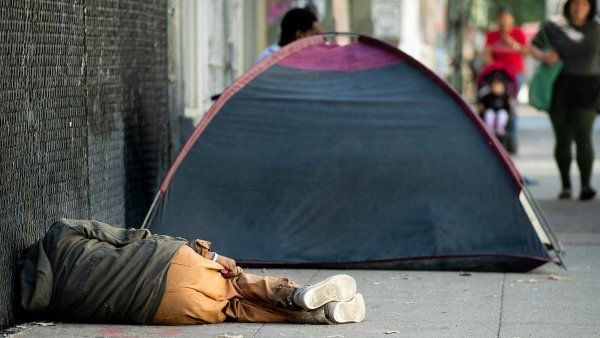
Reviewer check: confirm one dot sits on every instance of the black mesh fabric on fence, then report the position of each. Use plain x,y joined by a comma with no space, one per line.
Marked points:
83,117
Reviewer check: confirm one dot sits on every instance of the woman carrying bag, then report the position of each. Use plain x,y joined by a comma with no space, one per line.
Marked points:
576,91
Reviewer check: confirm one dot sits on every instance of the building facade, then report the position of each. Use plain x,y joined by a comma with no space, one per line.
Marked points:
211,42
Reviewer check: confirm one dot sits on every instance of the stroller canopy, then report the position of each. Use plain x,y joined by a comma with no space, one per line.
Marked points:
507,73
325,155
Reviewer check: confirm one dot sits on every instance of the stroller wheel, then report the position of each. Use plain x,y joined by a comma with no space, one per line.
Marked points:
511,145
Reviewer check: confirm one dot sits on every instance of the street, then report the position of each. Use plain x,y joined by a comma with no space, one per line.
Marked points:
548,302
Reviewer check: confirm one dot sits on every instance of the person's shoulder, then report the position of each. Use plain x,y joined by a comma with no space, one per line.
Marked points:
486,94
273,48
596,23
492,35
552,26
268,51
518,31
556,22
518,34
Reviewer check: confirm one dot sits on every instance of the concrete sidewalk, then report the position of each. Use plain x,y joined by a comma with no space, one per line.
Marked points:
548,302
426,304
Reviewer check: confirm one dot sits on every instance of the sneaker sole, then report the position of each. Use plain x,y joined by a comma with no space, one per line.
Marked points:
339,288
352,311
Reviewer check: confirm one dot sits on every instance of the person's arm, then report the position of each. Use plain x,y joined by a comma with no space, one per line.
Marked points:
521,39
229,264
517,43
36,280
549,57
540,42
203,247
487,55
487,50
105,233
480,107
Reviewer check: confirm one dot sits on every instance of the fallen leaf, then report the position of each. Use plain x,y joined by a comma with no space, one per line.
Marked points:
528,281
45,323
559,277
464,274
402,278
391,332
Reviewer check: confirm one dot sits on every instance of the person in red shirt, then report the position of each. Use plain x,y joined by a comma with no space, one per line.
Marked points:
506,44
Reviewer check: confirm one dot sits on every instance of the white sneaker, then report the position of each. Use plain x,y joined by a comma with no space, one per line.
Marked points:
352,311
338,288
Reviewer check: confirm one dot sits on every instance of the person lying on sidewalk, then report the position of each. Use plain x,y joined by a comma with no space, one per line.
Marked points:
88,271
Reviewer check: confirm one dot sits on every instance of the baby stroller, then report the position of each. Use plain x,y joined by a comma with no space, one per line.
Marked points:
496,97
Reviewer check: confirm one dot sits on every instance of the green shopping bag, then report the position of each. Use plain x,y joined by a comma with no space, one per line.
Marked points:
540,86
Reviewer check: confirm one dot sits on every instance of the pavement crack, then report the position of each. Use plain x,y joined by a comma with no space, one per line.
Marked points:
311,277
258,330
501,307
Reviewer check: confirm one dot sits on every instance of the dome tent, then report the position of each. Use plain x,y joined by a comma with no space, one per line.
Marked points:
356,155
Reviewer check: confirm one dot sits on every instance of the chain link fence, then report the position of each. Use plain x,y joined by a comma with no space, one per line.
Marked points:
84,127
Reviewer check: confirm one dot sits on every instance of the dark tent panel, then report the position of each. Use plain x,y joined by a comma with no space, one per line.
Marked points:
349,156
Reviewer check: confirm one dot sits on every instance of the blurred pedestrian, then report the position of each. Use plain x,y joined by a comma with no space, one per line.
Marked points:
575,39
496,105
507,44
296,24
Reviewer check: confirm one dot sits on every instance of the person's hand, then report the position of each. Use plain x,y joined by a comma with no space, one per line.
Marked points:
550,58
228,263
508,39
512,43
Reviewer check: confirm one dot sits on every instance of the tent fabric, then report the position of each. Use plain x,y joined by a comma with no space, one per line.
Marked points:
348,156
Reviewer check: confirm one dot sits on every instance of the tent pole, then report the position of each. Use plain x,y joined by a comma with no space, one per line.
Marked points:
556,245
151,211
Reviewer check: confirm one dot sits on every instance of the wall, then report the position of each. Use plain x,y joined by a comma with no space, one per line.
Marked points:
84,128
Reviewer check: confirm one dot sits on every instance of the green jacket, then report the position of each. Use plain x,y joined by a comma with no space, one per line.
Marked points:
89,271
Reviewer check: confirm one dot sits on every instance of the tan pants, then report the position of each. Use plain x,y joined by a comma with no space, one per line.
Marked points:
196,292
